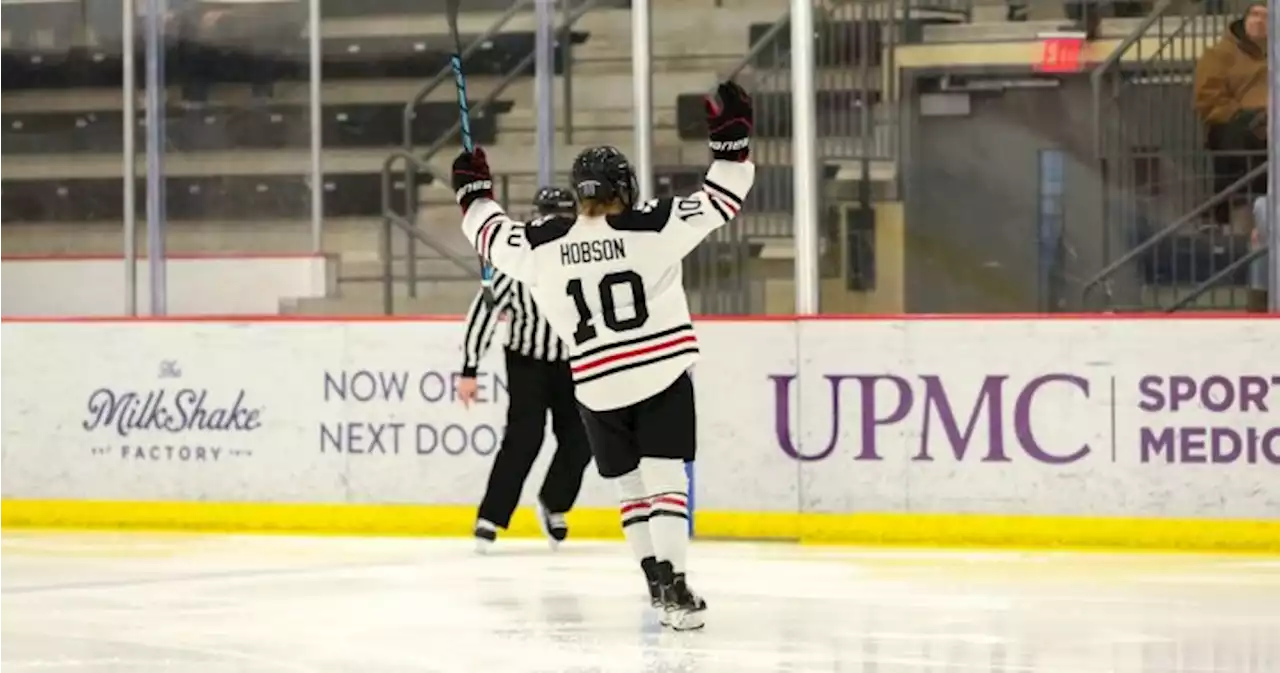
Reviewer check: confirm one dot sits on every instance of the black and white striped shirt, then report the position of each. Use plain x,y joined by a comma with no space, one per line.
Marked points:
528,333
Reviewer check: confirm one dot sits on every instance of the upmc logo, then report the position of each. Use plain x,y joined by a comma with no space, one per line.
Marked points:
885,401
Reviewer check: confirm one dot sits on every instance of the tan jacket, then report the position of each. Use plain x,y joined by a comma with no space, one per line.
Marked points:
1231,76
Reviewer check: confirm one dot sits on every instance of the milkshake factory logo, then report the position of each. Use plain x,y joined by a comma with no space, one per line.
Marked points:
170,423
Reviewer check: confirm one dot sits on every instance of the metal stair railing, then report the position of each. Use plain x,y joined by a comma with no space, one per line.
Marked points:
525,63
728,247
421,163
1111,64
766,40
1109,130
1146,135
411,167
1103,276
718,267
446,73
867,130
1217,278
776,78
392,219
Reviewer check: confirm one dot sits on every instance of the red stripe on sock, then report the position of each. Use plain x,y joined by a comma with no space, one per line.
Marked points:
639,504
671,500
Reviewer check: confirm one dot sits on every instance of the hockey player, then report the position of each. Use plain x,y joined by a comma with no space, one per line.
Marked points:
555,201
610,284
539,381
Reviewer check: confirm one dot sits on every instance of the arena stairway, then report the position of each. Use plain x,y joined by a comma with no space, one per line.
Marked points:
693,41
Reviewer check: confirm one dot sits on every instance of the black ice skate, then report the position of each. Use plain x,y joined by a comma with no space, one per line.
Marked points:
485,533
650,567
553,525
682,610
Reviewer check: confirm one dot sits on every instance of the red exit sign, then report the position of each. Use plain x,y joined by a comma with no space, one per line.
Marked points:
1061,52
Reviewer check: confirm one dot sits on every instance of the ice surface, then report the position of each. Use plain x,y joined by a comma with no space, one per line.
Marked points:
99,603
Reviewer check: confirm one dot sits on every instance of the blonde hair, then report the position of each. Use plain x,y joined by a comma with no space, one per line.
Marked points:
597,208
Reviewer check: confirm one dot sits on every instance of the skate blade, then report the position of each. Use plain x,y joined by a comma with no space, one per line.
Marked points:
683,621
543,524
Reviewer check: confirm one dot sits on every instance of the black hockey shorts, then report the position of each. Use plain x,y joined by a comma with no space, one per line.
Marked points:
662,426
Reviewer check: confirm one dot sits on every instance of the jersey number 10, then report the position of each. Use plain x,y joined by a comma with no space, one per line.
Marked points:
586,331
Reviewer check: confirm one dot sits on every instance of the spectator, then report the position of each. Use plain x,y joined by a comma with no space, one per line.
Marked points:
1231,91
1257,299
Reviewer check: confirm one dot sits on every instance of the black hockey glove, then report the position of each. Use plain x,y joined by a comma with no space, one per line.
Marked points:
729,123
471,178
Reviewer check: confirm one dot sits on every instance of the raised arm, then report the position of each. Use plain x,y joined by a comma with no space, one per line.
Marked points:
692,218
498,239
684,221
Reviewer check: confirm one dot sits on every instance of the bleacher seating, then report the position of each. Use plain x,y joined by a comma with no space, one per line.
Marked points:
53,46
194,198
231,128
840,43
366,8
238,126
248,197
370,57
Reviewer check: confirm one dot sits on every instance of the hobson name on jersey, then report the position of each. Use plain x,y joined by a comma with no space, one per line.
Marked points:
582,252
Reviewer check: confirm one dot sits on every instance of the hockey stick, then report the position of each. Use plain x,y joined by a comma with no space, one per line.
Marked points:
460,80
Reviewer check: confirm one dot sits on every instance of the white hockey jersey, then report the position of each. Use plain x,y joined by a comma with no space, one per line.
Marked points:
611,287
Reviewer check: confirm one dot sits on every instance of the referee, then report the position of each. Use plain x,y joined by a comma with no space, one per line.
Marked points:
538,380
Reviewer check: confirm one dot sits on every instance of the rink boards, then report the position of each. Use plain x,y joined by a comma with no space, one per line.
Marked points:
1124,432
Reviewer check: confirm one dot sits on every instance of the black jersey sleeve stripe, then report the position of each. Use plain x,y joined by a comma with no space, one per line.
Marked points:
481,242
715,203
728,195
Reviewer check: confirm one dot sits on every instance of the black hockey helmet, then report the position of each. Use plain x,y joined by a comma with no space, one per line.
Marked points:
603,174
555,201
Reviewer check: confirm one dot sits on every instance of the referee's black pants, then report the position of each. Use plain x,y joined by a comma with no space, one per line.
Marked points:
535,387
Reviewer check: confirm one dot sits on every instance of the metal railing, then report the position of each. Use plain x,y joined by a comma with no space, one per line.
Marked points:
859,118
1234,268
1153,160
412,165
853,51
858,121
420,163
445,74
392,220
1102,278
449,137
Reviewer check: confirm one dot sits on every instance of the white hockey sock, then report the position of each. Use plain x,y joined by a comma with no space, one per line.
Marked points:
669,509
635,514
